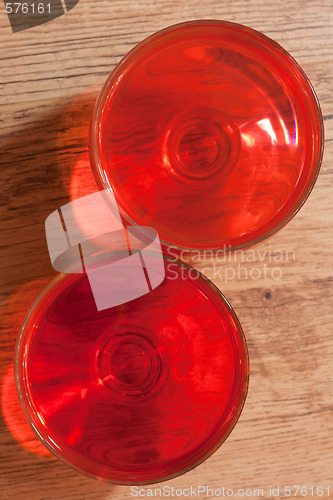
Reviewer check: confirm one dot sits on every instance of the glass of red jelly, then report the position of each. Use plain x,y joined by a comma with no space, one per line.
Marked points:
210,132
137,393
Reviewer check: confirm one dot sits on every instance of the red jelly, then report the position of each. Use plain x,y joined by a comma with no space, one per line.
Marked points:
209,132
137,393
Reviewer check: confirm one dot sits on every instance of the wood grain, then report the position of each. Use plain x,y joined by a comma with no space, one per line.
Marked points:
50,76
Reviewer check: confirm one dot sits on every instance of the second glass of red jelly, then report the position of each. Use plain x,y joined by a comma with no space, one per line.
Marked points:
210,132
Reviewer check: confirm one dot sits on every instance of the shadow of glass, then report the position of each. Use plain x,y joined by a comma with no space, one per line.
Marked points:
38,167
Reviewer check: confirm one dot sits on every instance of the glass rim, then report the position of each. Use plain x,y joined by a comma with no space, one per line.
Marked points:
94,131
219,438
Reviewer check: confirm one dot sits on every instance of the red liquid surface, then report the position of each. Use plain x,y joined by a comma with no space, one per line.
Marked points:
210,133
139,392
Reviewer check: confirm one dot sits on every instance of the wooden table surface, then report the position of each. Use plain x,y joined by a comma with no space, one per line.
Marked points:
50,76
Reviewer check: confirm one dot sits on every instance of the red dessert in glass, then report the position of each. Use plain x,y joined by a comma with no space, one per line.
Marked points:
137,393
210,132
